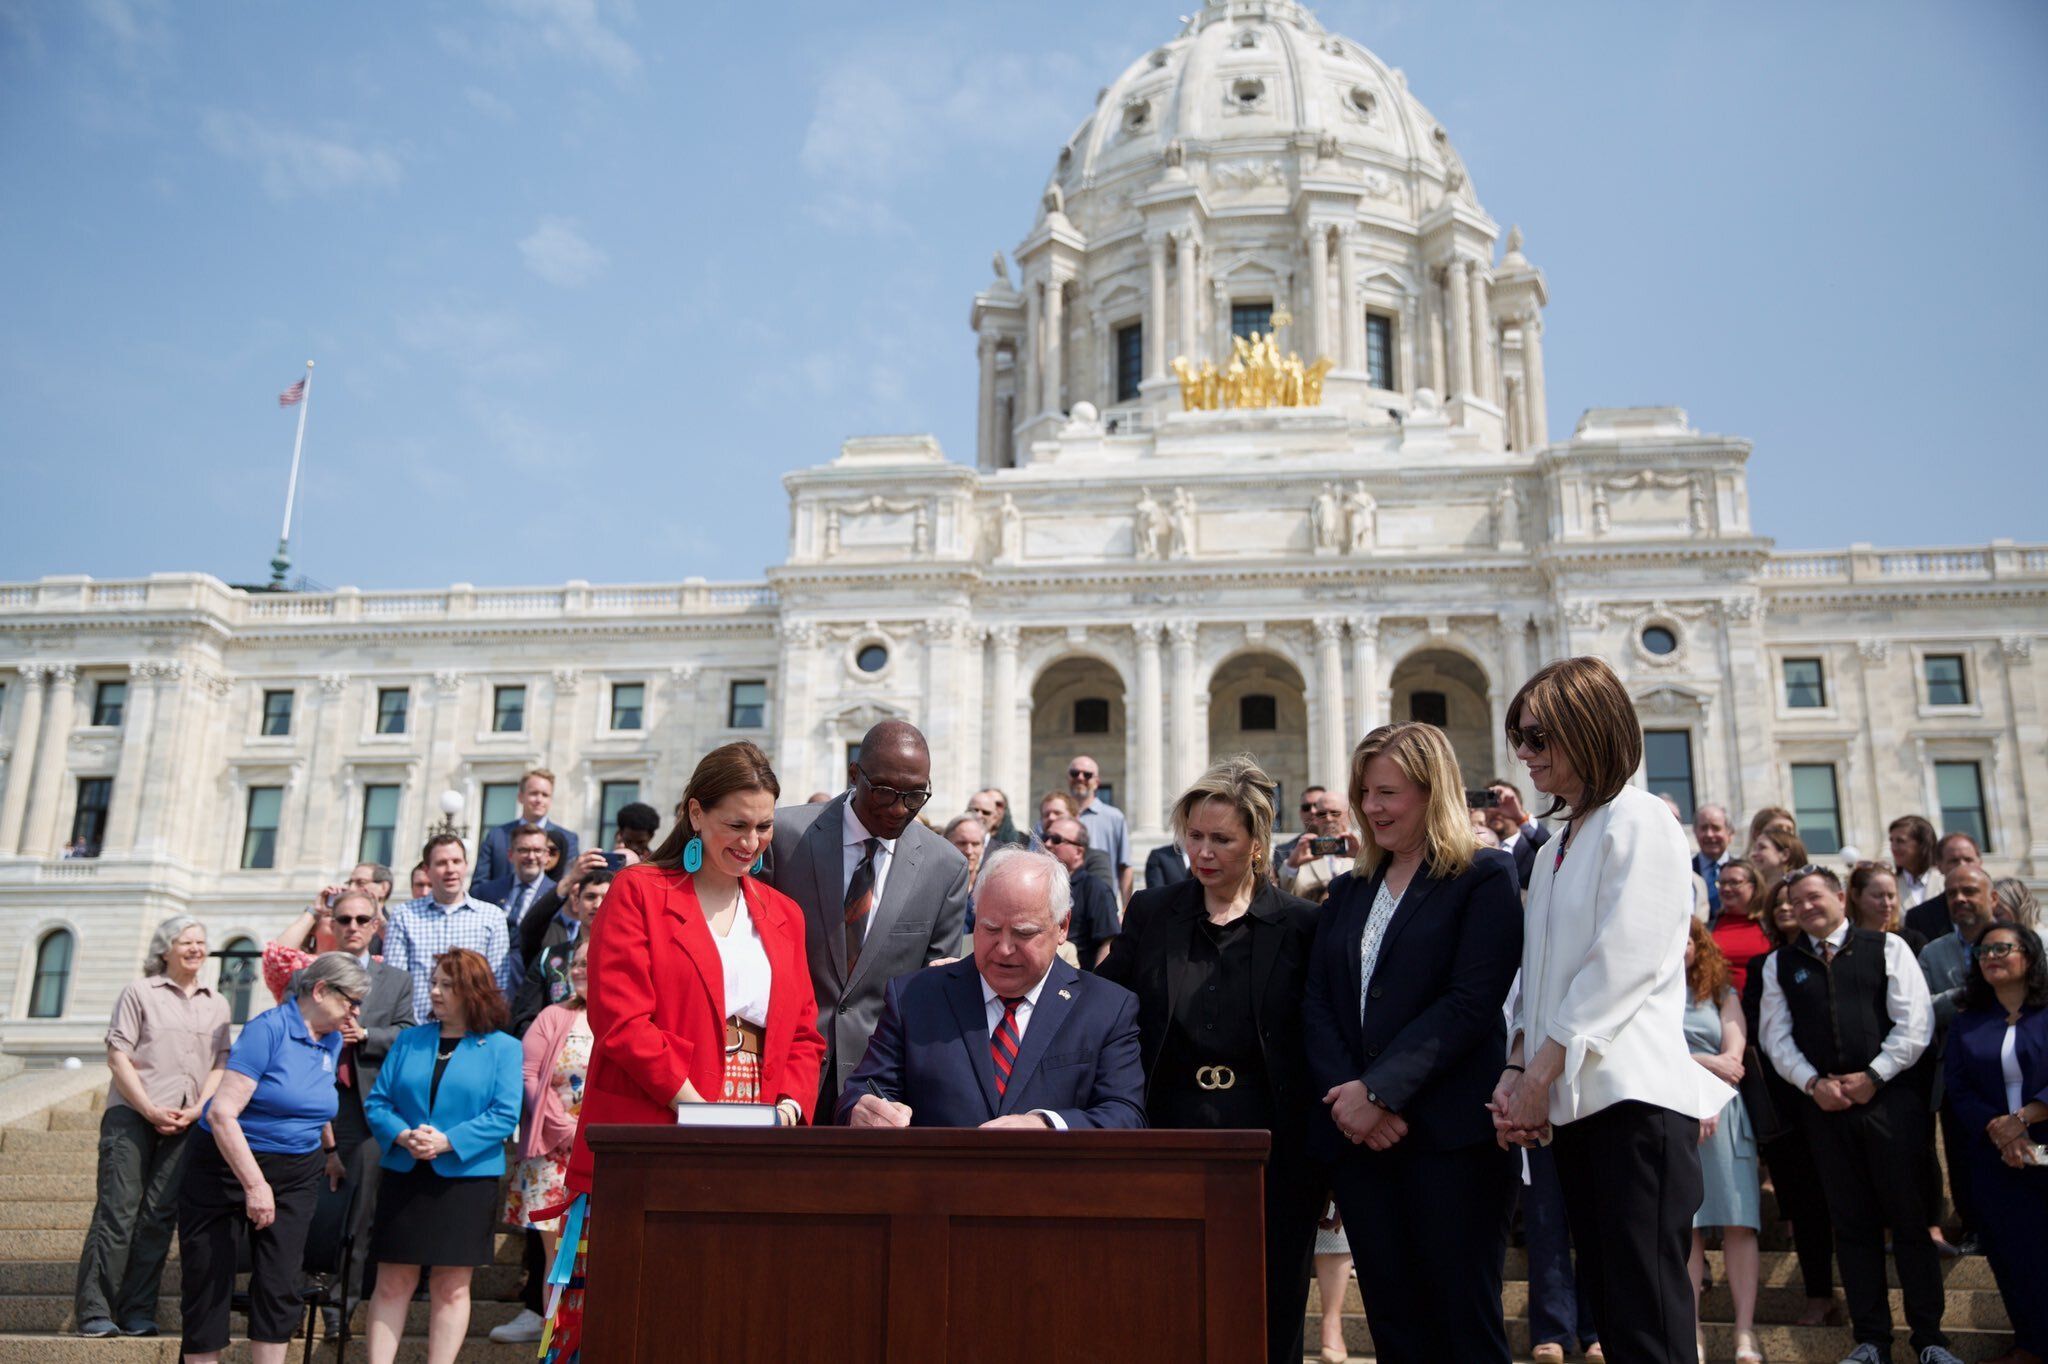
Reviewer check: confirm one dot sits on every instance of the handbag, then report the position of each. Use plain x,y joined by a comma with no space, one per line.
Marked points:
1765,1118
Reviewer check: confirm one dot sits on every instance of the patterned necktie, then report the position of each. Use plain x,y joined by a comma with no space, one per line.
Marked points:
860,898
1827,953
1002,1048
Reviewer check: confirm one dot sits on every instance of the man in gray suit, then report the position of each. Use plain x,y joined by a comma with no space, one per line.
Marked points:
882,895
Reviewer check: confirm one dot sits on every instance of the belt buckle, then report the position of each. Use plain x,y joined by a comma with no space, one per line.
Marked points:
733,1039
1215,1077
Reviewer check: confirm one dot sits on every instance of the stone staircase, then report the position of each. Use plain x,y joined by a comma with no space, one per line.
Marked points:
46,1197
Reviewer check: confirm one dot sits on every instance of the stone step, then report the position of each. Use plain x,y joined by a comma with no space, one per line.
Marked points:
29,1139
48,1348
1975,1309
68,1243
50,1313
49,1215
1780,1269
40,1188
1780,1344
58,1161
74,1120
60,1277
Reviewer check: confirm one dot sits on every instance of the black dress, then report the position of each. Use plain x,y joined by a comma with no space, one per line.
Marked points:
427,1218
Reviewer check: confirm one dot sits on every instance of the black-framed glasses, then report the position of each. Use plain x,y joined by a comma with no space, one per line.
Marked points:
351,1001
353,920
1535,738
1308,807
1080,774
912,801
1997,950
1056,841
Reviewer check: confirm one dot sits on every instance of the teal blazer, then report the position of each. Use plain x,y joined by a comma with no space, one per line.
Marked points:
477,1107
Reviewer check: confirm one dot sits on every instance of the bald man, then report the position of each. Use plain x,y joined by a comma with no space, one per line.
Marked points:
882,895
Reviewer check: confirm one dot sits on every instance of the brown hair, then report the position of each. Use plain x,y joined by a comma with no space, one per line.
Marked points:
1920,831
1239,782
1063,798
1766,817
727,769
1424,755
1859,881
1589,717
427,853
1756,886
1767,917
1707,977
531,831
540,772
467,976
1789,843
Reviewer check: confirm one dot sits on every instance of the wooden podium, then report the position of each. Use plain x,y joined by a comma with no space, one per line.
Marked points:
923,1245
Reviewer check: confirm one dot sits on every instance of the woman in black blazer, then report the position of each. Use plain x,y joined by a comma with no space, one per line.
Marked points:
1217,962
1414,954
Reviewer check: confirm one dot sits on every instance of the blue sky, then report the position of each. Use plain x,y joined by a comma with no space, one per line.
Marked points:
584,278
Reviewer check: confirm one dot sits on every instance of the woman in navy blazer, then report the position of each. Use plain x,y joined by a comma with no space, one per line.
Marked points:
2004,1113
1414,953
445,1102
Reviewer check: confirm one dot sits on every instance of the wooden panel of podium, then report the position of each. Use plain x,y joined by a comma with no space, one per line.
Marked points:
922,1245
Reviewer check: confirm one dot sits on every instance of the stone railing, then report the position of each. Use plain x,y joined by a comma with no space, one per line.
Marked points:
2001,560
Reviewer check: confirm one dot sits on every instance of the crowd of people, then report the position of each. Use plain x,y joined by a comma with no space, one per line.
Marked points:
1439,1004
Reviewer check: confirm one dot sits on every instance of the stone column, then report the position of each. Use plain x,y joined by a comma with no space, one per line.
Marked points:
1028,358
985,428
138,725
1155,309
942,712
160,788
2030,737
1460,308
1318,244
1350,308
21,768
1365,675
1148,801
1002,738
1187,298
318,819
1537,405
1483,381
1190,747
1052,380
1433,329
1330,701
793,707
39,838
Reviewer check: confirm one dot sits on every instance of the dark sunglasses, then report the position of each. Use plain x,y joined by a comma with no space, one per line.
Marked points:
1080,772
1309,808
1055,841
1535,738
351,920
1996,950
912,801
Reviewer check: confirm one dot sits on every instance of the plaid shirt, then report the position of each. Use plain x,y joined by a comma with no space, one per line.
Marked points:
421,930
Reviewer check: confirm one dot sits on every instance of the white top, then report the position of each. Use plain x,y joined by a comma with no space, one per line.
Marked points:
1915,889
1376,921
1603,963
854,847
2009,1066
747,974
1906,1002
992,1003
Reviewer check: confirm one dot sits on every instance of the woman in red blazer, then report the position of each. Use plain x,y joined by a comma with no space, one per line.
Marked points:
699,991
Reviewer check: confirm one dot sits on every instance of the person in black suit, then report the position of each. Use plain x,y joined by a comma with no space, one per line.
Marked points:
1519,835
1414,954
1217,963
1167,865
536,798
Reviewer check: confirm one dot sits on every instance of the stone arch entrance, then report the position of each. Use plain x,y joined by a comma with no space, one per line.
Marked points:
1449,690
1258,704
1077,706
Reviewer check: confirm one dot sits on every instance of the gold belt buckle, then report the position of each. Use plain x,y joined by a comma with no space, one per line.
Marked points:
1215,1077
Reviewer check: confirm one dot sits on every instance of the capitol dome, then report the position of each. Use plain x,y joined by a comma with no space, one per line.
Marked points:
1259,174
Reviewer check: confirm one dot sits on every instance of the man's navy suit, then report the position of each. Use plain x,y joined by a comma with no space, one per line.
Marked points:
1079,1058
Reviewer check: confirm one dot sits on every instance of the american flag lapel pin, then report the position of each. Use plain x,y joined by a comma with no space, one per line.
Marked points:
1065,995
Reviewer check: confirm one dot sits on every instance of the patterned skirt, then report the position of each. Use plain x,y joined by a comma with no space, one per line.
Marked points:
562,1340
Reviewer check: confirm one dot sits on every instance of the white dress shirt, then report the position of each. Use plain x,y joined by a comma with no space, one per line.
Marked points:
1905,999
854,848
747,974
1914,889
993,1004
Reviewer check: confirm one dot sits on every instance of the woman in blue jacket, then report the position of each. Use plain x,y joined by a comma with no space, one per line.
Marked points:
445,1102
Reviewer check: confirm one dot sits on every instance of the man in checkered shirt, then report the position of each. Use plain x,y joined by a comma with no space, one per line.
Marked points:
446,917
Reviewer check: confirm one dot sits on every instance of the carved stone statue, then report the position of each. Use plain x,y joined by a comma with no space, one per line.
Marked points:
921,531
1362,519
1326,520
831,532
1182,525
1326,147
1698,507
1148,527
1055,199
1002,268
1507,515
1603,519
1010,530
1176,153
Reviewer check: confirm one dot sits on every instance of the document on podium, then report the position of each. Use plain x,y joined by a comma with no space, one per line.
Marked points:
725,1115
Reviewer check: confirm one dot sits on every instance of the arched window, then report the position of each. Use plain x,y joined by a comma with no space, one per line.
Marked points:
240,962
53,976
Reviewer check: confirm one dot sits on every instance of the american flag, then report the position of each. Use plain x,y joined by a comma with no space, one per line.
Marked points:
293,396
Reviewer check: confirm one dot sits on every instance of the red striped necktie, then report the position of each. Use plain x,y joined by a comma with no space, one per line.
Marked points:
1002,1048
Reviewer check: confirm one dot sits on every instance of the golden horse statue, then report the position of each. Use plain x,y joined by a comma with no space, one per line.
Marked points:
1257,376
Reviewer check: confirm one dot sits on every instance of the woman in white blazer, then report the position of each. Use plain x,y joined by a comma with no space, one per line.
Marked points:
1598,1059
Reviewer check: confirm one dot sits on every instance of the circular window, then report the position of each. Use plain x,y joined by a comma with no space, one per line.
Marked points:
1137,116
1247,91
872,658
1361,99
1659,640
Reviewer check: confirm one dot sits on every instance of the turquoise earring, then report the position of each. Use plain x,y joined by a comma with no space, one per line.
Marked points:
693,855
755,870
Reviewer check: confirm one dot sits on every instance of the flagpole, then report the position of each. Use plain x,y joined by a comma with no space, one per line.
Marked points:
282,562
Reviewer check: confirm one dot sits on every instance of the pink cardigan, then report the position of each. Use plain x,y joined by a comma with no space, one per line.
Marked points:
547,1126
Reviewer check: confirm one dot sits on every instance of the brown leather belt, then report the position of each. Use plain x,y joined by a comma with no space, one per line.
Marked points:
741,1035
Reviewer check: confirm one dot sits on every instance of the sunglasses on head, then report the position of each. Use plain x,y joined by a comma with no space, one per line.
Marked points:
1535,738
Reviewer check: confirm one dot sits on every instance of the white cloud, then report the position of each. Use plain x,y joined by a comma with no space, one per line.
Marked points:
482,343
136,29
559,254
293,163
488,104
573,29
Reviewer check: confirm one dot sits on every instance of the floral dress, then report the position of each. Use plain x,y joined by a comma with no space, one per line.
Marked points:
542,1181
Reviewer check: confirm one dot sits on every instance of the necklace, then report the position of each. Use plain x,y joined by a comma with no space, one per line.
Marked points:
446,1048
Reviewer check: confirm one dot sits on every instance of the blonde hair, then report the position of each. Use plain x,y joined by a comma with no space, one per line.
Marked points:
1424,755
1239,782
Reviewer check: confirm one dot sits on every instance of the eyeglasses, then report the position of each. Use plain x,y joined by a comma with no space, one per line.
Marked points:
1535,738
351,1001
912,801
1080,774
1309,808
353,920
1055,841
1997,950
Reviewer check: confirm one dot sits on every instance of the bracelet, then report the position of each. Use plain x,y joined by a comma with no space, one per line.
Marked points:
330,1150
1512,1066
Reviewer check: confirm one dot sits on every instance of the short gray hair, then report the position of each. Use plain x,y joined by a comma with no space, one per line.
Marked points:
2017,898
167,932
1080,837
335,970
957,820
1700,812
1010,862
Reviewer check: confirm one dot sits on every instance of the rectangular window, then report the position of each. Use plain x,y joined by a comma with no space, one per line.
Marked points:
1130,360
109,699
1429,708
1667,765
259,829
508,710
1960,788
1091,715
1805,684
613,796
392,704
277,713
1246,318
748,708
1947,685
627,699
501,804
89,822
1258,711
380,825
1379,349
1816,807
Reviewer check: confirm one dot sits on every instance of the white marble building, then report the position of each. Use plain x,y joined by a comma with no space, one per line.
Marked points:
1112,574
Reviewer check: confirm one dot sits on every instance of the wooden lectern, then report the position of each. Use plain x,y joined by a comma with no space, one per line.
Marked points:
923,1245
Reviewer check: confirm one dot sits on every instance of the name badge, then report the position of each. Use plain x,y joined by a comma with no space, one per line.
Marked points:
1799,976
327,1061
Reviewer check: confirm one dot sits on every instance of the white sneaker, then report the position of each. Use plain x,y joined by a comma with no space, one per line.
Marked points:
521,1330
